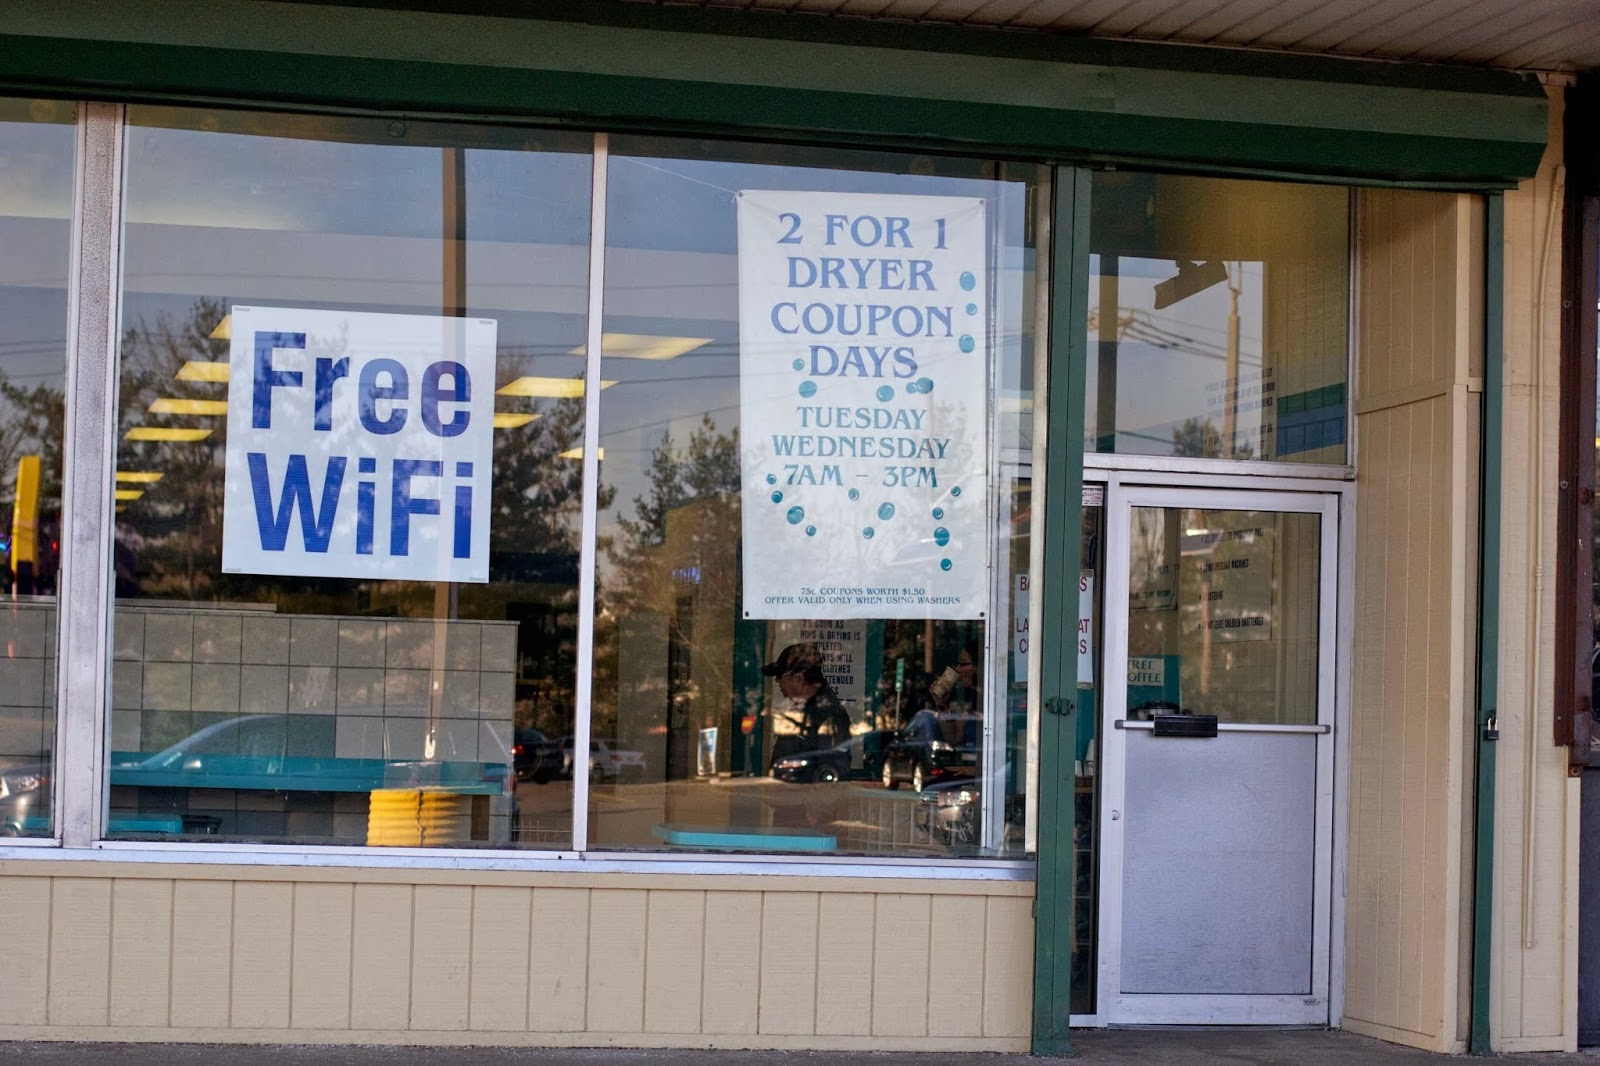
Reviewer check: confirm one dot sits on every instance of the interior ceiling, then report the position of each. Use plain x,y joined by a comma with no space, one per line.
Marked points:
1555,35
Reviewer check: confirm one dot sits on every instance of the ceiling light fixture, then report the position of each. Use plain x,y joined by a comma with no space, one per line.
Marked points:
549,388
643,346
186,436
203,370
168,405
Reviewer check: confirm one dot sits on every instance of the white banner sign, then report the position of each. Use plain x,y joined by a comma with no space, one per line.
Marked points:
863,348
359,445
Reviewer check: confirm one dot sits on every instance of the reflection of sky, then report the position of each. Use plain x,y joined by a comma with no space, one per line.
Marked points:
1171,364
35,169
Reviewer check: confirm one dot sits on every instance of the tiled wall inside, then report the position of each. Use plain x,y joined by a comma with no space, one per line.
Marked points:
27,680
174,672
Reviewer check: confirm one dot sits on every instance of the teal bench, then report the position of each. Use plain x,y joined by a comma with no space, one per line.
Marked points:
745,838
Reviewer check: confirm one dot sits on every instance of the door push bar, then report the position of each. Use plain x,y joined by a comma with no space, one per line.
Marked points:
1206,725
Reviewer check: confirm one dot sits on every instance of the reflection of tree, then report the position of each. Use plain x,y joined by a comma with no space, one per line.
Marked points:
677,559
1199,438
31,423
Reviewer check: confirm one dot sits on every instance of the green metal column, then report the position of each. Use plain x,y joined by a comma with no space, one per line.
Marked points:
1488,618
1057,639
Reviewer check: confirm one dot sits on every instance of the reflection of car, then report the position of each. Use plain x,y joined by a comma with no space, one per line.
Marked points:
24,797
932,747
536,757
858,759
605,762
950,811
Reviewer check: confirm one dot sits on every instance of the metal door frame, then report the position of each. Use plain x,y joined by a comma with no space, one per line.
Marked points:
1113,1007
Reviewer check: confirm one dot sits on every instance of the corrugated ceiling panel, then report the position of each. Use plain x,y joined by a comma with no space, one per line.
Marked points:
1529,34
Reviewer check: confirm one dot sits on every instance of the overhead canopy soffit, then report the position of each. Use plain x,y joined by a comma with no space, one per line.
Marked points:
697,70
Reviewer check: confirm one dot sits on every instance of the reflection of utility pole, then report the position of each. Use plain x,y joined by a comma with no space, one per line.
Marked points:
1230,410
454,305
1108,333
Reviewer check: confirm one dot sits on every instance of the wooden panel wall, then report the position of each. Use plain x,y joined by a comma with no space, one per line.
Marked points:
161,952
1411,713
1536,804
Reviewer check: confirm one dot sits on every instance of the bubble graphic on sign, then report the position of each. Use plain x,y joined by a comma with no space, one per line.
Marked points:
886,512
796,515
885,393
855,494
924,385
772,479
955,490
777,497
967,343
867,533
799,364
968,282
808,389
945,564
938,513
811,531
941,536
972,309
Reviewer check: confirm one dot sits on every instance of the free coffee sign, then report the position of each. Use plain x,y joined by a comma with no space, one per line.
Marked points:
359,445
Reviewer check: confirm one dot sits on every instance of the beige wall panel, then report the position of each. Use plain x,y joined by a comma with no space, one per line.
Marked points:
441,956
789,962
263,942
1536,884
501,925
1410,712
141,952
729,1001
324,921
202,953
900,965
1008,968
955,1007
617,922
23,986
844,963
558,957
674,953
80,929
380,957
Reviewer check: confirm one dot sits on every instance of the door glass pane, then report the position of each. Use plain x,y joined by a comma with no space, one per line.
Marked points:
1085,869
1218,318
1223,614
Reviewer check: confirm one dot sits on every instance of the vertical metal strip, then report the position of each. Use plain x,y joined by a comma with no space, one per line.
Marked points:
996,630
591,496
83,663
1057,640
1481,1041
1038,493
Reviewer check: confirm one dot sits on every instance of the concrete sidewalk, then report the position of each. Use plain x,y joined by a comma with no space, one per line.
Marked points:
1153,1047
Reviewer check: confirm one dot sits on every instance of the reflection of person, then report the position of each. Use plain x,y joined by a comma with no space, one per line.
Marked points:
957,687
823,720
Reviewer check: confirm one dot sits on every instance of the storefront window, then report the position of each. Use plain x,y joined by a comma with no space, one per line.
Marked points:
1218,319
36,180
800,490
348,503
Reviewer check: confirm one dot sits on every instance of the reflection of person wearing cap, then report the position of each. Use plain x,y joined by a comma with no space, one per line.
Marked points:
823,720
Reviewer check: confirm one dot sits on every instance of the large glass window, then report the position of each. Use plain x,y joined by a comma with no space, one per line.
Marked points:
36,181
784,399
353,303
1218,319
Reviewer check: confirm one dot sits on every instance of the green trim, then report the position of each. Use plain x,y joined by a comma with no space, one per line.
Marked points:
1058,633
621,66
1481,1042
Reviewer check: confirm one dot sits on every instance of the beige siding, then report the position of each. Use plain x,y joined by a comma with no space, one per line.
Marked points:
167,952
1411,715
1535,889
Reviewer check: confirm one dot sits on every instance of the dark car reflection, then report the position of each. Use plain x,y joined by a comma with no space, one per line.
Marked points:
858,759
933,747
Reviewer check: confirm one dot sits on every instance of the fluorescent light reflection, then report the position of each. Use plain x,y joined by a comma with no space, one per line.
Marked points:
513,419
201,370
548,388
187,436
224,330
577,453
643,346
168,405
129,494
139,477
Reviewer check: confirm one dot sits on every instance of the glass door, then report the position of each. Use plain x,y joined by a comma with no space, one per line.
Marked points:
1217,755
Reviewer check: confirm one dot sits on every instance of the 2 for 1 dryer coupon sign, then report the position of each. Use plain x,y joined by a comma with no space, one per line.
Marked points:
359,445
